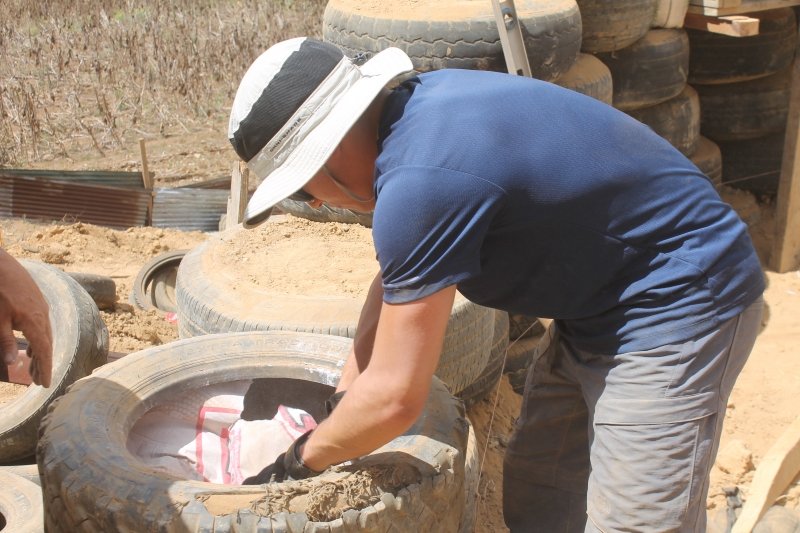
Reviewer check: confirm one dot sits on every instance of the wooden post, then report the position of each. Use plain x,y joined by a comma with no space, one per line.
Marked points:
237,201
147,179
775,472
786,246
147,182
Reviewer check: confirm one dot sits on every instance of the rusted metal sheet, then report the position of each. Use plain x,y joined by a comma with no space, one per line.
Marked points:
93,177
188,208
116,207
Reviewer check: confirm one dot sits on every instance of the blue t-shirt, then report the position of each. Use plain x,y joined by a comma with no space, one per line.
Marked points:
539,200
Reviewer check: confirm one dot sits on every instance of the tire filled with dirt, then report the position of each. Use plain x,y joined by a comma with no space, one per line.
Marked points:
677,120
243,281
20,505
651,70
80,344
93,482
609,26
589,76
456,34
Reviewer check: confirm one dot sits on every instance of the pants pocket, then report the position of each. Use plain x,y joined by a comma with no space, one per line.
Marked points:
649,462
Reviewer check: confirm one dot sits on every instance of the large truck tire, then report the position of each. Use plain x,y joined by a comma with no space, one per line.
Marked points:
745,110
650,71
206,304
670,13
457,34
609,26
677,120
708,158
589,76
80,344
92,482
20,505
493,371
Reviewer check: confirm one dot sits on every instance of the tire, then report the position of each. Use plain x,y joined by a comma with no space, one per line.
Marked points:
677,120
206,304
589,76
325,213
609,26
523,353
102,289
20,505
753,165
715,58
29,472
670,13
80,344
151,288
745,110
493,371
457,34
92,482
708,158
520,326
652,70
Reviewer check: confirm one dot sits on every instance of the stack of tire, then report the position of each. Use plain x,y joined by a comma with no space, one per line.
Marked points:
743,85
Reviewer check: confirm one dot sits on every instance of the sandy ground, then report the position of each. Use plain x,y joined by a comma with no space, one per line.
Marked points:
763,404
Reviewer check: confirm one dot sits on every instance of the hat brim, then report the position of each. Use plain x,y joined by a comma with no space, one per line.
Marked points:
314,150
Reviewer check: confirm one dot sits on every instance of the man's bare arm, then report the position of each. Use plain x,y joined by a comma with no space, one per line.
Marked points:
389,394
364,340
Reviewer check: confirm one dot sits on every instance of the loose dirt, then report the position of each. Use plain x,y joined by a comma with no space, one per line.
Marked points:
763,403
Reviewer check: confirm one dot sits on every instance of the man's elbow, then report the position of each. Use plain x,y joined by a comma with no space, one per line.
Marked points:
404,408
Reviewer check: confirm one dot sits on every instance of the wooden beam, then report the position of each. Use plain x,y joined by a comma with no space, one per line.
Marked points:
716,8
786,245
775,472
237,202
732,25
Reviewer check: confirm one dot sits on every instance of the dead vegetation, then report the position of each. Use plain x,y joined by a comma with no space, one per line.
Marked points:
94,75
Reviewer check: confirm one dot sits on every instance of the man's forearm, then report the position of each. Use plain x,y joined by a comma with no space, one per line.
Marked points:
364,340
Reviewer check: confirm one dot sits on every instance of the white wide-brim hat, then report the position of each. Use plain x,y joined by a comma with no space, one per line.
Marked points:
293,107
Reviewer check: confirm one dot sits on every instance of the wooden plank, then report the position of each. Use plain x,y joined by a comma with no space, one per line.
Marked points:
775,472
716,3
705,7
733,25
786,245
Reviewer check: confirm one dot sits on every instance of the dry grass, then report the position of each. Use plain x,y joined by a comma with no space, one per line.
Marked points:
96,74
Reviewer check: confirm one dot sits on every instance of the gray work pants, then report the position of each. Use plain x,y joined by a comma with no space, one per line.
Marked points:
623,442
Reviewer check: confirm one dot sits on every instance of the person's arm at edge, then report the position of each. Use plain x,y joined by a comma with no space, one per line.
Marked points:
23,308
364,340
391,392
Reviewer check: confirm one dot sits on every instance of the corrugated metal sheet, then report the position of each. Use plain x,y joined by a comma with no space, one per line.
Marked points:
116,207
189,209
95,177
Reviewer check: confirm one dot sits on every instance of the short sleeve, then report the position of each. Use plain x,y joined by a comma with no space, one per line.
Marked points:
428,226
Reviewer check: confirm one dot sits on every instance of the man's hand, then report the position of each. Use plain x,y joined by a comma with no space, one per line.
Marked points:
23,308
286,466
